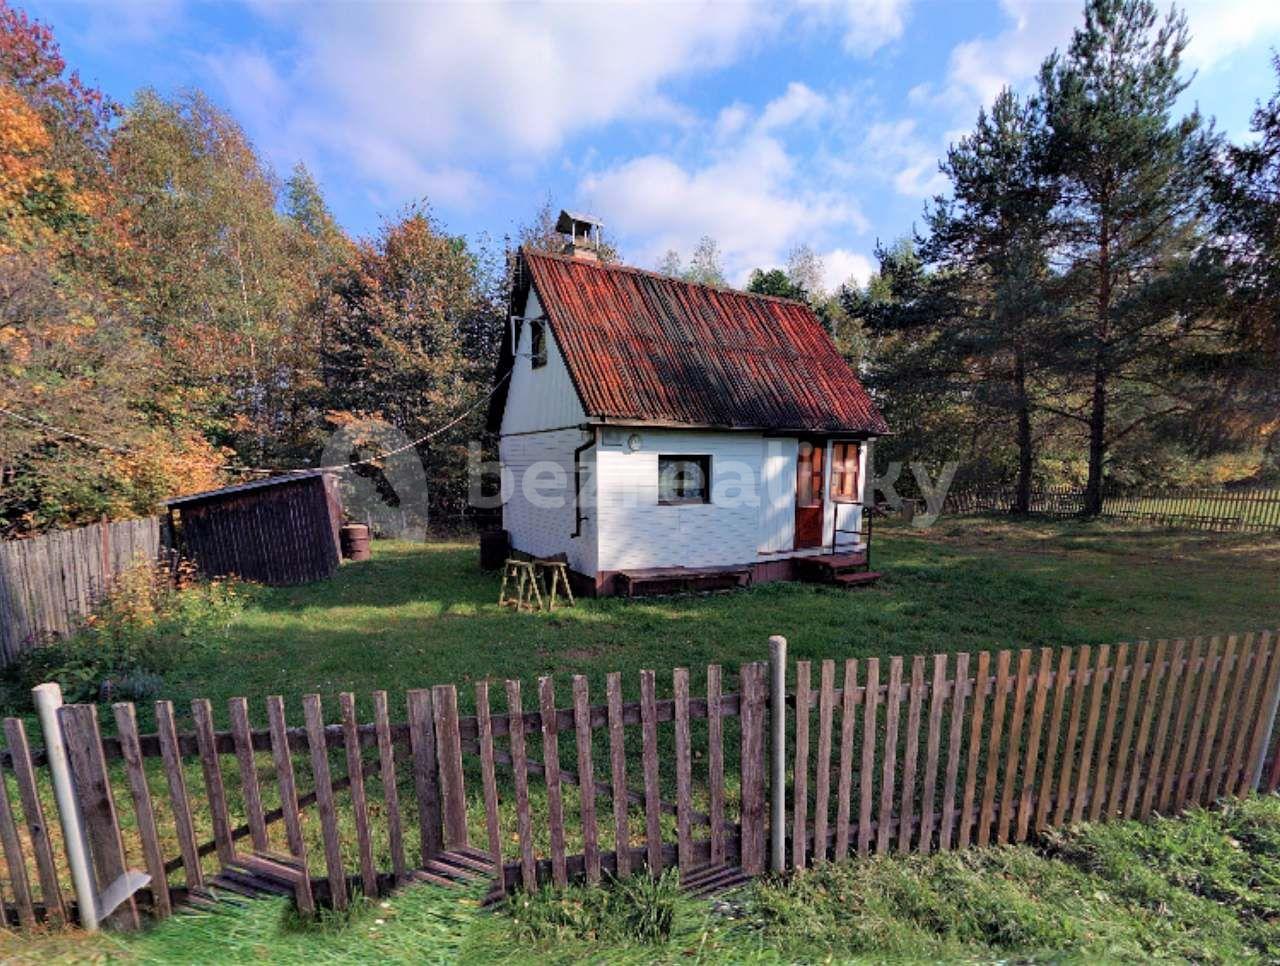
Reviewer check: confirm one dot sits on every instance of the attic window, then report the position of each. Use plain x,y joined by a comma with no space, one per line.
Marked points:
538,342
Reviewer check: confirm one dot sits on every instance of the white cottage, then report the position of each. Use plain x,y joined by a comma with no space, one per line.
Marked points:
666,435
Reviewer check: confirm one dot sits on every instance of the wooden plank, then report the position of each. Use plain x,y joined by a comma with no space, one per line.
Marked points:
715,765
928,795
1068,760
1085,772
202,713
822,767
866,775
453,791
618,774
79,723
1262,724
551,775
684,771
955,736
999,701
1159,770
238,709
1133,700
800,769
844,787
981,688
586,778
179,800
889,772
1209,739
313,715
652,791
1195,726
1250,673
1102,768
143,813
906,811
37,828
489,780
285,779
390,785
426,783
1009,803
1237,702
1177,742
520,770
1154,678
359,800
752,761
1031,759
17,862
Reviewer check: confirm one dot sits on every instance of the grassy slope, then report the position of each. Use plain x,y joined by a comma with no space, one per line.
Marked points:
415,615
1202,888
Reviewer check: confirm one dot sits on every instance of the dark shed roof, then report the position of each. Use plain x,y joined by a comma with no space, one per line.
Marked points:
244,487
645,347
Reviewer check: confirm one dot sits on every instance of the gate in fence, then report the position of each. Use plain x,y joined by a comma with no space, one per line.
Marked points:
876,755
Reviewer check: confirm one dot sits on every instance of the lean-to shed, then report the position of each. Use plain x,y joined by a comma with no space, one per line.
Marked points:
282,530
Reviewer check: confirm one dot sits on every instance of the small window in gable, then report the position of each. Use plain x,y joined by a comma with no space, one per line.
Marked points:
684,479
538,342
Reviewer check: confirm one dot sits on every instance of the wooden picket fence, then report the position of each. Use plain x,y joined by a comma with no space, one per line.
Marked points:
907,754
1255,510
49,582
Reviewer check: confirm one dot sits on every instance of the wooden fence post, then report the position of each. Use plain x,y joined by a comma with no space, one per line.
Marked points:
444,703
752,711
778,762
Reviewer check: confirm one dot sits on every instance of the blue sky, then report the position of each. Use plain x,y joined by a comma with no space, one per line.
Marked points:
760,124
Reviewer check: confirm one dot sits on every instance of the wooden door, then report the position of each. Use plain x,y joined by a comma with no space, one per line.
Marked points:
810,466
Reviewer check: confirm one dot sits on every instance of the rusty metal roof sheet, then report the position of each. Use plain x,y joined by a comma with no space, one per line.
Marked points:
646,347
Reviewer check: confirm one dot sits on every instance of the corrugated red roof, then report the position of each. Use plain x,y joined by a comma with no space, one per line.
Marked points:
646,347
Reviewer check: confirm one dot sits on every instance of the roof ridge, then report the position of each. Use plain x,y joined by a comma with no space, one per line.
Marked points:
651,273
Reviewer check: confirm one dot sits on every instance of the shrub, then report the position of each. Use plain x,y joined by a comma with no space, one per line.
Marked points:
146,624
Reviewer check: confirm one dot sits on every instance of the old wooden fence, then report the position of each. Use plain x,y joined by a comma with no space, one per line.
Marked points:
48,582
1243,511
906,754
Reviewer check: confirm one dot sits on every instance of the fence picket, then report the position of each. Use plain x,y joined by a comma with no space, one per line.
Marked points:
906,811
143,813
422,745
586,778
520,770
313,715
1155,679
1221,762
889,772
649,754
1045,790
1078,681
1138,671
238,708
928,794
866,776
618,775
359,801
1108,733
981,687
715,764
822,767
488,778
800,769
848,727
38,830
955,738
752,702
1008,803
999,701
391,791
453,791
684,771
1097,680
179,800
1164,769
551,774
1195,727
17,862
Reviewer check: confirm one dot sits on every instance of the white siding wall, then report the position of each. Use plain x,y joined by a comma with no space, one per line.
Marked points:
635,532
539,511
778,494
542,398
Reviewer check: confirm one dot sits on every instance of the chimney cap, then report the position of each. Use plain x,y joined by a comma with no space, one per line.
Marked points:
575,223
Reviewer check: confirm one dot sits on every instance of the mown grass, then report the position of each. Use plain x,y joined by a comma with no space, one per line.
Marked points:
1202,888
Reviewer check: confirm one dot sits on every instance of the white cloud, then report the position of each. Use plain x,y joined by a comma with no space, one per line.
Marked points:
868,24
798,104
906,159
410,94
1220,28
841,265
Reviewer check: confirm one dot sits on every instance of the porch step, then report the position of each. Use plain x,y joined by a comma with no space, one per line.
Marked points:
656,581
828,565
862,578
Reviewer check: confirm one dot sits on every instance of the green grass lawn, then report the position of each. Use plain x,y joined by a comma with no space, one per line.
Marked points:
423,614
1203,888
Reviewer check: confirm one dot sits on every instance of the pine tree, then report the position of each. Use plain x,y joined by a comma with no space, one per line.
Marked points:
1131,180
